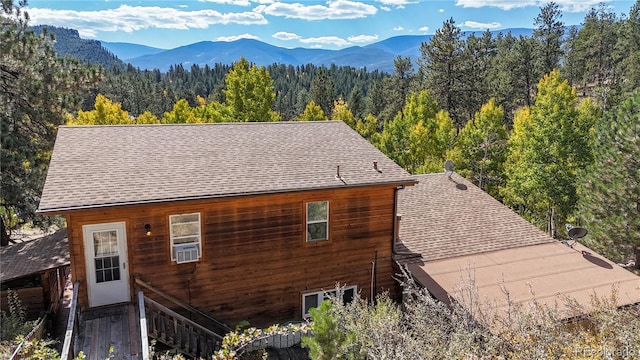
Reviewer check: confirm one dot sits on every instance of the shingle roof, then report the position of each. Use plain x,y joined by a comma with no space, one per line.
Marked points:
94,166
34,256
444,218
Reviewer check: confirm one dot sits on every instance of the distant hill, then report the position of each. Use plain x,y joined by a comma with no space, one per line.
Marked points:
260,53
377,56
126,51
405,45
209,53
68,42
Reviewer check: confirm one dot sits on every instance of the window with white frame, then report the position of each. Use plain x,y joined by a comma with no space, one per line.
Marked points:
314,299
186,237
317,221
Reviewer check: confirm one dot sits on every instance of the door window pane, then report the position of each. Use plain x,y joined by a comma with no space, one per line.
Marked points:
107,269
105,243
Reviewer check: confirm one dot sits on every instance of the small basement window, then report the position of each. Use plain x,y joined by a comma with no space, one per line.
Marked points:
314,299
317,221
186,237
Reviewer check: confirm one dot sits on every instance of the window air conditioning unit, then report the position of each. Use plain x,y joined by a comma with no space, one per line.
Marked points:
186,253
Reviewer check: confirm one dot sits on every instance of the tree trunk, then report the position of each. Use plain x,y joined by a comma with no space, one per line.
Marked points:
4,233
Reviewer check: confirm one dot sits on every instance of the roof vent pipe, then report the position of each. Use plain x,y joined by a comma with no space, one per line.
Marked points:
375,167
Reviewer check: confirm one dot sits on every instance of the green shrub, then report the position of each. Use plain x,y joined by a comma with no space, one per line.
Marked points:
14,324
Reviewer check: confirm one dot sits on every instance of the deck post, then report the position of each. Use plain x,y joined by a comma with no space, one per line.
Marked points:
144,337
69,334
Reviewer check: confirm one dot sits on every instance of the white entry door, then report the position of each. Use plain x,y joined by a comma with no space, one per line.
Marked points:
107,269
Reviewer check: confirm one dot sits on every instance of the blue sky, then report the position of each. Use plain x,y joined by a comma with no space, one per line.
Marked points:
332,24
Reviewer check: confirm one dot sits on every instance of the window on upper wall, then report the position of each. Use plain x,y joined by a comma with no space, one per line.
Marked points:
186,237
314,299
317,221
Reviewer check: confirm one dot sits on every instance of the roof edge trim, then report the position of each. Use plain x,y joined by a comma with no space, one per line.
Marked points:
60,210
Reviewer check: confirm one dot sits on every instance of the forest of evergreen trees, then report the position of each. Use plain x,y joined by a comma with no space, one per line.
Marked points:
548,124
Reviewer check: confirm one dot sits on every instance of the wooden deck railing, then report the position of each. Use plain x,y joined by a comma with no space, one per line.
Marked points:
72,326
197,338
201,317
179,332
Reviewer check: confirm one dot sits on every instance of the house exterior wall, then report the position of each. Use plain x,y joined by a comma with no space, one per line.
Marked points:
256,263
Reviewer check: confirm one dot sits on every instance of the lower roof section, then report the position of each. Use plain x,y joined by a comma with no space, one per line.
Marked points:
550,274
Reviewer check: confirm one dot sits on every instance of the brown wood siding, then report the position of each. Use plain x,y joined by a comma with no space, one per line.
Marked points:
43,298
32,299
256,263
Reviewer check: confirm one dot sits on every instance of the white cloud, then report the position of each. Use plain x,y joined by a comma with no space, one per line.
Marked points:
337,9
479,25
229,2
362,38
565,5
440,10
132,18
326,40
577,6
237,37
385,8
183,6
318,42
398,28
502,4
397,3
87,33
424,29
286,36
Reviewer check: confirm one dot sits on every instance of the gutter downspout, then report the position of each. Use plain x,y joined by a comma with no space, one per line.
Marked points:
394,237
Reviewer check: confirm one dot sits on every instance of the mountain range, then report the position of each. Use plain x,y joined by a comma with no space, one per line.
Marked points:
377,56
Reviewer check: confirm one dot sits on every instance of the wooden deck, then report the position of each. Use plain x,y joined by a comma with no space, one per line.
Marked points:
116,327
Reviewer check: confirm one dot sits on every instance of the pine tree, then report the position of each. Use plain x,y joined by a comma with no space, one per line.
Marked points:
322,90
441,64
477,56
549,33
628,50
36,90
595,44
610,195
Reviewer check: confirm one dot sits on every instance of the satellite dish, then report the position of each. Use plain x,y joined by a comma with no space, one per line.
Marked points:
448,166
577,232
574,233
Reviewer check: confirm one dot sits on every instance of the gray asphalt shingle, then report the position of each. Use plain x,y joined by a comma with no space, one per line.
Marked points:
96,166
34,256
443,218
